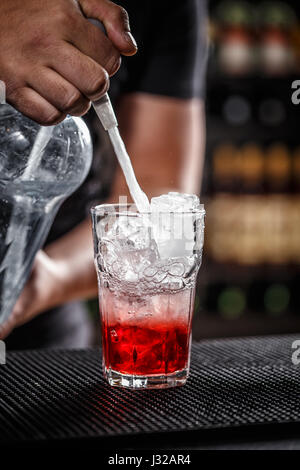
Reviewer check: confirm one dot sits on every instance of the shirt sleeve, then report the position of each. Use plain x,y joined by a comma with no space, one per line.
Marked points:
172,56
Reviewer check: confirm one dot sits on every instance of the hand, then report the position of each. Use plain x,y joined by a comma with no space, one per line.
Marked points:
53,61
43,290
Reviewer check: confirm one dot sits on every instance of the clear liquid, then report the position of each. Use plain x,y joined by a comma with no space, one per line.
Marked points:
27,210
42,139
139,197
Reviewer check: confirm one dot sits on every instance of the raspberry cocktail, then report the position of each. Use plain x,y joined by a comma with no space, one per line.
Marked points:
154,340
147,282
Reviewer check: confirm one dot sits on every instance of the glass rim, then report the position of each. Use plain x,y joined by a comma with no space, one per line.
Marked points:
100,209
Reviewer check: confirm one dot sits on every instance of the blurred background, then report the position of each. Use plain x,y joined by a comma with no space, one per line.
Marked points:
249,280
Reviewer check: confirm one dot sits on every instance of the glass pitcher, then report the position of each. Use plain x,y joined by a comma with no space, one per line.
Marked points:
39,168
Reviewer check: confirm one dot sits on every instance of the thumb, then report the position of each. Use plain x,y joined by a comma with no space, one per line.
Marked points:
116,22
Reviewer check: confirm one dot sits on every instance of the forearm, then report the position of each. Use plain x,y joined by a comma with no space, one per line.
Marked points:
165,139
74,255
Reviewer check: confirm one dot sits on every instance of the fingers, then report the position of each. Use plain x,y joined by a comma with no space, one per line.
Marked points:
19,315
59,92
14,318
33,105
29,302
116,23
6,328
92,42
72,58
90,78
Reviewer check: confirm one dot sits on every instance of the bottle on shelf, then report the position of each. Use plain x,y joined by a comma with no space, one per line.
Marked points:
236,52
276,55
251,168
224,168
278,166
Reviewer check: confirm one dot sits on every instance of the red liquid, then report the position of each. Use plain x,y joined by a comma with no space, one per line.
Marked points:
146,351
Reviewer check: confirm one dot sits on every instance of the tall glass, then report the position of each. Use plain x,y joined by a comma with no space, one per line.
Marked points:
147,267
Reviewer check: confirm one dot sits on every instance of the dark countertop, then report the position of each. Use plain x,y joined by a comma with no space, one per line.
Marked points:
242,394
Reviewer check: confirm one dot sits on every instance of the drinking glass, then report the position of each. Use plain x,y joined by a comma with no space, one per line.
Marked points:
147,266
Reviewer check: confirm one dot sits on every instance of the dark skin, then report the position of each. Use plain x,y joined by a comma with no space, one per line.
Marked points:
53,61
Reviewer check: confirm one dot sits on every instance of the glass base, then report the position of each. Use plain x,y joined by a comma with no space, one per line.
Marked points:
116,379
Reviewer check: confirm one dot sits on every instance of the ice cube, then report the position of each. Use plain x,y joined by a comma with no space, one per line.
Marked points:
175,202
136,261
131,232
173,221
153,248
128,249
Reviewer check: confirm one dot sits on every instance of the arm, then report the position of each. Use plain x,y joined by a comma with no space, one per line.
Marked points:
165,138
